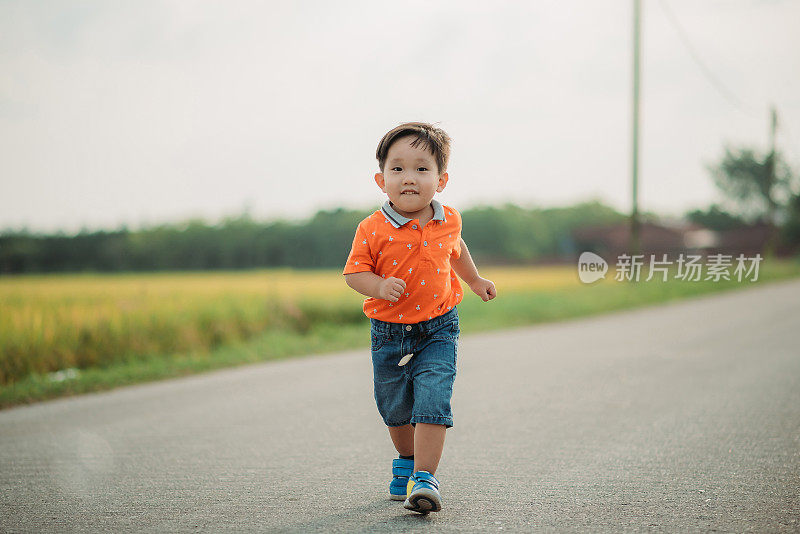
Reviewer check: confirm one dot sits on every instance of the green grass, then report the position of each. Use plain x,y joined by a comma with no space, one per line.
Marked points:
273,345
546,305
513,308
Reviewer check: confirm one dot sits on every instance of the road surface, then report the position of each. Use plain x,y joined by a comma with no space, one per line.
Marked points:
683,417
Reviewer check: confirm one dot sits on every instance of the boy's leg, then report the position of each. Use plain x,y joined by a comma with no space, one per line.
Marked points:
428,445
403,439
433,370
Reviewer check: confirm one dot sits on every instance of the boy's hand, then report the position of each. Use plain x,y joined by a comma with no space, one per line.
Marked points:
483,288
391,288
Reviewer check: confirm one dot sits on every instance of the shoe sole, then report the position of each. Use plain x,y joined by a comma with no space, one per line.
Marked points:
397,497
423,501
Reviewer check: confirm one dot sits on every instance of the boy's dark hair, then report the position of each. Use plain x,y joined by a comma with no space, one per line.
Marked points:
432,138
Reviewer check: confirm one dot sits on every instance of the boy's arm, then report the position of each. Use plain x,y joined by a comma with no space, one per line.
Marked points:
370,284
464,266
466,270
359,271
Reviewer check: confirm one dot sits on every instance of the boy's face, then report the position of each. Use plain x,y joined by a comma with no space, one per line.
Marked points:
410,177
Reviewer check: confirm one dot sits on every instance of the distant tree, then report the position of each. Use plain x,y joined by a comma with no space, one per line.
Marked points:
512,234
756,187
715,218
791,229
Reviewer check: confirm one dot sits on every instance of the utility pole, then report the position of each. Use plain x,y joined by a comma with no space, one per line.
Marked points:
772,242
773,125
635,244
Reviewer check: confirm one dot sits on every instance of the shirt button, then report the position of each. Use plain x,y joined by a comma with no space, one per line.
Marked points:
425,243
408,328
414,226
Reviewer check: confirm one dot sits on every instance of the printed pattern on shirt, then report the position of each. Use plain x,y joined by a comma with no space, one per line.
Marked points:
420,256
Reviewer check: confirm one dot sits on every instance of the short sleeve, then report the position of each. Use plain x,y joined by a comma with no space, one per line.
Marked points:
360,258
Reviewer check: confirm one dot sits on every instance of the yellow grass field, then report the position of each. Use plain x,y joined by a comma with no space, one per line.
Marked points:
58,321
54,322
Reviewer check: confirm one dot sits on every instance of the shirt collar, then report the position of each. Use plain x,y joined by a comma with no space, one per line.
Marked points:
398,220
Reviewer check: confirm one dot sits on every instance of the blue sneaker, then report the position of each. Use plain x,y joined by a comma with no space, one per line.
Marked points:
423,493
401,470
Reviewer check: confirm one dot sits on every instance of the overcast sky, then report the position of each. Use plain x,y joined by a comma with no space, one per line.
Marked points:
147,112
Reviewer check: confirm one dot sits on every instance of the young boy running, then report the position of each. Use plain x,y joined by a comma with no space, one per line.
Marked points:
405,258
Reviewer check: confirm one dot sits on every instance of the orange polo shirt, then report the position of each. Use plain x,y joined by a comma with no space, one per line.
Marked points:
388,244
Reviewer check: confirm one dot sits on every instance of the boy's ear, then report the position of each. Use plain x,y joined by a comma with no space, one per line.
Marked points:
380,181
442,182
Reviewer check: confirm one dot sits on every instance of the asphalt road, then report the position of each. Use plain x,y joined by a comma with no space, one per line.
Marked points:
678,418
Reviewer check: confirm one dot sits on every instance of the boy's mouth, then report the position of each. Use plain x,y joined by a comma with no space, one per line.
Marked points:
408,192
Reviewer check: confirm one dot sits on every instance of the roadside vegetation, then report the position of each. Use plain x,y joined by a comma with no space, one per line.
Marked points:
68,334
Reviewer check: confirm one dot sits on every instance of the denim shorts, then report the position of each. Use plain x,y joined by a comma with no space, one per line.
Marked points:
420,391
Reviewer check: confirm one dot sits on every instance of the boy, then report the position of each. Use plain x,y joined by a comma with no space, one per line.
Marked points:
404,258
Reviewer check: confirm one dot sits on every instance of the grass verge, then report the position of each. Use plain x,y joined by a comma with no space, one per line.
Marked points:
517,307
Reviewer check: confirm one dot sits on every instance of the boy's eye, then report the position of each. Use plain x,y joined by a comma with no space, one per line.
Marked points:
396,169
422,169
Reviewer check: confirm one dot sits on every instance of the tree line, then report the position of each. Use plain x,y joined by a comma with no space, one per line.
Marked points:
755,187
506,234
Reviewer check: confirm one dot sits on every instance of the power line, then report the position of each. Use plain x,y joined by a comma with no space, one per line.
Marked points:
719,86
